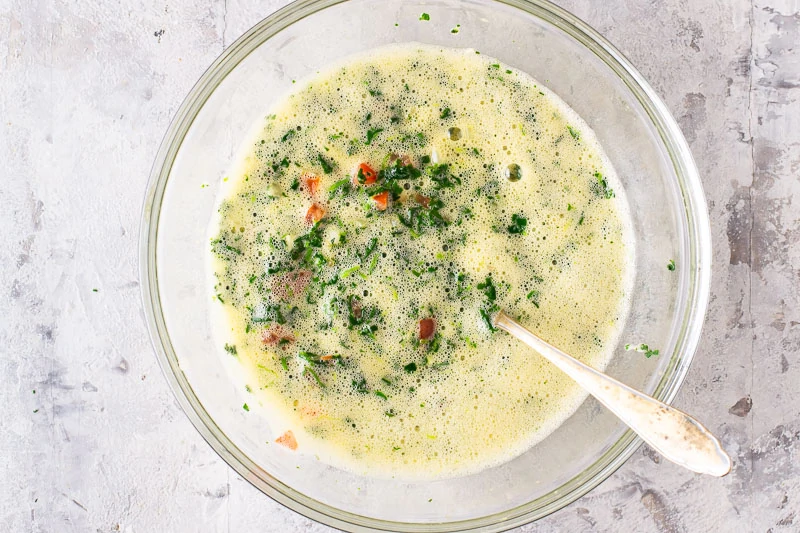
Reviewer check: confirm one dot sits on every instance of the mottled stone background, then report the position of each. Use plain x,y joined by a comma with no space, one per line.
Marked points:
91,439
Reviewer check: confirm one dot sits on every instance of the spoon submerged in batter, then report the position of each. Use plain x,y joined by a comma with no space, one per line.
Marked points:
673,433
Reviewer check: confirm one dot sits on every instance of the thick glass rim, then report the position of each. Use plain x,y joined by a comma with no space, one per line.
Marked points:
691,305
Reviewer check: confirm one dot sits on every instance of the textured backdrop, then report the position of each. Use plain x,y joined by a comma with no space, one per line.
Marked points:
91,439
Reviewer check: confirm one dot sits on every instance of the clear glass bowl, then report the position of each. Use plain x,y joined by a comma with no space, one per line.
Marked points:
641,139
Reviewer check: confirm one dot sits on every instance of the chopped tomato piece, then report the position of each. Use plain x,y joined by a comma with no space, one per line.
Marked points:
365,175
424,201
426,328
315,213
288,440
311,183
381,200
327,358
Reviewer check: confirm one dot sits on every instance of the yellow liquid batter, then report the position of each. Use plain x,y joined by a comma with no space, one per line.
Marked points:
359,309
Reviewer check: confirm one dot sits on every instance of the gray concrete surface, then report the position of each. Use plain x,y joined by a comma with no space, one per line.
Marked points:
91,438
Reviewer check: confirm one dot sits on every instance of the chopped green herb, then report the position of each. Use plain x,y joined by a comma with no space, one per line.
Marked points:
295,184
601,188
381,395
441,177
419,218
399,171
410,367
245,407
308,370
575,133
445,113
371,133
327,167
486,315
488,289
518,225
533,296
341,187
349,271
230,348
371,246
360,386
671,265
424,16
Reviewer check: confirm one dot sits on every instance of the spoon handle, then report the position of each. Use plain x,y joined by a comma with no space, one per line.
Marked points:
674,434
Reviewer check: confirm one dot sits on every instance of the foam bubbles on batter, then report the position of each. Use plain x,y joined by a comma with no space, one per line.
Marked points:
532,221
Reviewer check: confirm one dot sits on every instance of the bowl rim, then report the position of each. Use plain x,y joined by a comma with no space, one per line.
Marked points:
698,266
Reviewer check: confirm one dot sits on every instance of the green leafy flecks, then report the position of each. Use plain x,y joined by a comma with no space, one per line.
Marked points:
410,367
424,16
575,133
360,386
371,134
600,187
416,219
518,224
372,245
327,167
398,170
643,348
310,371
488,289
346,273
340,188
445,113
231,349
533,296
486,315
441,177
671,265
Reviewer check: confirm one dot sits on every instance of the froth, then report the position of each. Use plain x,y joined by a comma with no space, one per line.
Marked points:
514,152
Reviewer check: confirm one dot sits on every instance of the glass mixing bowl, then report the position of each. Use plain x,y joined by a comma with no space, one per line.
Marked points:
642,141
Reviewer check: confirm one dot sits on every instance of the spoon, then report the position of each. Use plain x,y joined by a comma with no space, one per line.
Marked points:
672,433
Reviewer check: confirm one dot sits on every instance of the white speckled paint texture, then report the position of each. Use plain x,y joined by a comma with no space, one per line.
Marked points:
87,91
